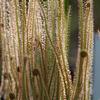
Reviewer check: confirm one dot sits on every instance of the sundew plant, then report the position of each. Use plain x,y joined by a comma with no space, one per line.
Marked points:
34,46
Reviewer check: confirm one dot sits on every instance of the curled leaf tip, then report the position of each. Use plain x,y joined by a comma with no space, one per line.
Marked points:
11,96
6,75
35,72
18,69
83,53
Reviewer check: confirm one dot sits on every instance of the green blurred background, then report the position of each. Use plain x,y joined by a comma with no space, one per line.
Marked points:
74,28
96,6
96,14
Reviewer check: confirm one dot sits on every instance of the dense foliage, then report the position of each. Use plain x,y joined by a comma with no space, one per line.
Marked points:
34,50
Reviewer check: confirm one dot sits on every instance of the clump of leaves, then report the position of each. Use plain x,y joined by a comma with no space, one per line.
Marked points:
35,44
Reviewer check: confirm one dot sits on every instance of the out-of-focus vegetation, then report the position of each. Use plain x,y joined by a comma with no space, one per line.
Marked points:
96,14
96,10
